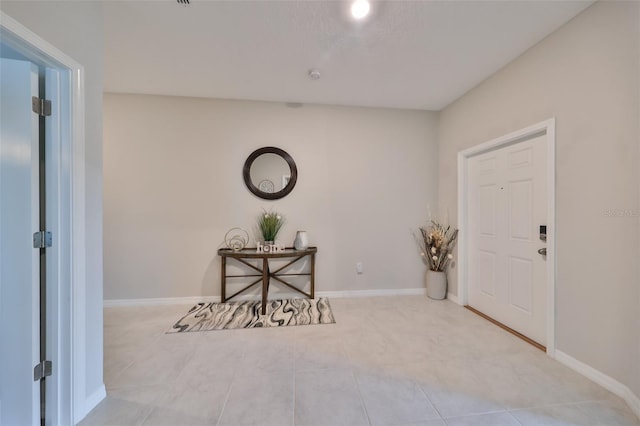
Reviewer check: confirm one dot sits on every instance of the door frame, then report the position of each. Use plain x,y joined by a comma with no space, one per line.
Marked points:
70,406
547,128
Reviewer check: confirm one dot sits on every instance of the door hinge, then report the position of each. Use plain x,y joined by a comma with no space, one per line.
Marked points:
42,370
42,107
42,239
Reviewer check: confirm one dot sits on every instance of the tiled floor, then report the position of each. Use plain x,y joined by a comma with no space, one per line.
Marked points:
387,361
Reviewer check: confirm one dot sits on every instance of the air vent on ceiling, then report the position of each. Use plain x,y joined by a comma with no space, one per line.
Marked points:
184,2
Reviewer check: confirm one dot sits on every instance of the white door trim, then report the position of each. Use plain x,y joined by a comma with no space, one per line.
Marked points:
71,208
547,127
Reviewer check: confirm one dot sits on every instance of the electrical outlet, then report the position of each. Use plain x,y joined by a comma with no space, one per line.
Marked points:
359,268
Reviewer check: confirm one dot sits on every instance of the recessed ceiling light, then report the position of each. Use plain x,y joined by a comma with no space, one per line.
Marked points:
360,9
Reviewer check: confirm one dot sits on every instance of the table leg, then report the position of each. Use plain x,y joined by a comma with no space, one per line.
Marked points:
223,280
265,284
313,275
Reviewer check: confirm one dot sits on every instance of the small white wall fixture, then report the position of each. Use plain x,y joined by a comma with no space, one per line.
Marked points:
71,404
547,128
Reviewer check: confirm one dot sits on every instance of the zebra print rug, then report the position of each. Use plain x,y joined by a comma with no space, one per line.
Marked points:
280,313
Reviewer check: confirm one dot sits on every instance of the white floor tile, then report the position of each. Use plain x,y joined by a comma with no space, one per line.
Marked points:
169,417
114,411
494,419
260,399
390,400
320,353
585,413
387,361
194,396
328,397
433,422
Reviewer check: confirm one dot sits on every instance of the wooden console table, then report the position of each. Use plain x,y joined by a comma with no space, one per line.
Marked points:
265,274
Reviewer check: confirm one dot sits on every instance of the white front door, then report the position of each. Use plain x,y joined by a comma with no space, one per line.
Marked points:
507,199
19,261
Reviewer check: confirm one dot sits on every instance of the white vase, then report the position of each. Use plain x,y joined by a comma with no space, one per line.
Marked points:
302,241
436,282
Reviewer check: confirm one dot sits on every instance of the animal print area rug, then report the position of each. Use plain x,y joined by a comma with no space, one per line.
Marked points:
280,313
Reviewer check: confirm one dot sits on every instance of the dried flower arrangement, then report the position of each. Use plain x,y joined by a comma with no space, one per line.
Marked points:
436,243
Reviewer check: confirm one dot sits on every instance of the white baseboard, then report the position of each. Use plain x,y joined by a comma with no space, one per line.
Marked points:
607,382
111,303
159,301
453,298
373,293
92,402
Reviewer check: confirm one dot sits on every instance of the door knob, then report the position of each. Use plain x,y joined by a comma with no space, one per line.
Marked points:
542,251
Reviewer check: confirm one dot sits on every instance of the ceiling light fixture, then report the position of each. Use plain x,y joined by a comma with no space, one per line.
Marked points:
314,74
360,9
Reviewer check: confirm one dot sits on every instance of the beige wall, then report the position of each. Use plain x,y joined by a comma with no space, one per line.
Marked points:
76,29
173,187
586,75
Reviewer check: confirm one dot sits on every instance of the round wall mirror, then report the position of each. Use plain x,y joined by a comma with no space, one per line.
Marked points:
270,173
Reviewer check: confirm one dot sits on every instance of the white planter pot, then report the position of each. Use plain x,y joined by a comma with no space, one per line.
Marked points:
436,282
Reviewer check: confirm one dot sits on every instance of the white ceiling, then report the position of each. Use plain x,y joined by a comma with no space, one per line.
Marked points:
409,54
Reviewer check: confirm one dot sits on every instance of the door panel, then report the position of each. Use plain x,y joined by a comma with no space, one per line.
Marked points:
507,203
520,283
520,158
487,272
487,210
19,261
520,209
